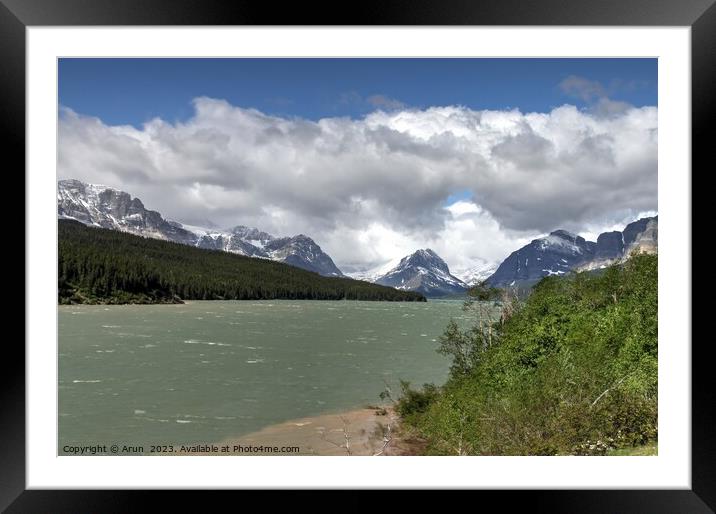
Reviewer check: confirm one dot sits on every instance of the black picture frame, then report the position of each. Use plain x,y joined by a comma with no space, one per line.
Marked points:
16,15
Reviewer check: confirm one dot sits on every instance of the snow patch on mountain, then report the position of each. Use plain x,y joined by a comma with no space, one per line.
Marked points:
476,274
372,274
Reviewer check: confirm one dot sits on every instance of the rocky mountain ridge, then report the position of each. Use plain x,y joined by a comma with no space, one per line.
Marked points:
562,252
107,207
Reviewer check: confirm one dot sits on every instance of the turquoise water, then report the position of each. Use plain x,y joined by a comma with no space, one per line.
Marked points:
205,371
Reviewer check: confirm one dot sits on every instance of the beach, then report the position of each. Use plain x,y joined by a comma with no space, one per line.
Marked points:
371,431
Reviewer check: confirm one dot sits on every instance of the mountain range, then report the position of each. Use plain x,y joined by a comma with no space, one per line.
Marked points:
110,208
561,252
423,271
558,253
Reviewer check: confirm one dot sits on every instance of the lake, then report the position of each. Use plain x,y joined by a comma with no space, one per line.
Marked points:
208,370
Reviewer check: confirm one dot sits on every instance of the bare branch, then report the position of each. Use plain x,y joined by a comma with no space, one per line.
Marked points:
616,384
387,437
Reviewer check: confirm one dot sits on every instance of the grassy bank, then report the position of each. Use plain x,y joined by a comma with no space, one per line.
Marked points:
570,370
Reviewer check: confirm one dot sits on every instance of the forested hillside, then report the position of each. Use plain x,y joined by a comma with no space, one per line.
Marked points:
570,370
103,266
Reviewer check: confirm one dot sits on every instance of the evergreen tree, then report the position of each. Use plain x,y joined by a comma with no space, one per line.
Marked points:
104,266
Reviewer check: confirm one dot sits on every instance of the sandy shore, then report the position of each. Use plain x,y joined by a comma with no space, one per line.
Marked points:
368,431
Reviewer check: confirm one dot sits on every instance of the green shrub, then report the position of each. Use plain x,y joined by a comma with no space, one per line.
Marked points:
414,401
572,370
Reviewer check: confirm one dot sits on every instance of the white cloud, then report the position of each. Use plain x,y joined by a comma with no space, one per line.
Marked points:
462,207
371,189
472,235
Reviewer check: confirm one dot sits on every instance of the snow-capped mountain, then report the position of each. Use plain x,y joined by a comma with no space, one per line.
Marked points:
300,251
303,252
476,274
240,239
110,208
425,272
253,235
555,254
561,252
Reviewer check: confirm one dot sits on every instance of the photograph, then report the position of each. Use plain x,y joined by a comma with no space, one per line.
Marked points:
424,247
354,256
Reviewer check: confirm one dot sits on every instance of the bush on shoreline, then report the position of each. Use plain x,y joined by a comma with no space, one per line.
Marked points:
571,370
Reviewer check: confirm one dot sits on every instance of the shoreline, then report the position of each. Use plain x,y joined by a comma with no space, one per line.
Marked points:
187,302
368,431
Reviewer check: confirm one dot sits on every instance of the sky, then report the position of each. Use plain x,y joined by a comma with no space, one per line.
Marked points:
372,158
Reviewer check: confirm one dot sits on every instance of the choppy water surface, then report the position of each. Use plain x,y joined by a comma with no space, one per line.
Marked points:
205,371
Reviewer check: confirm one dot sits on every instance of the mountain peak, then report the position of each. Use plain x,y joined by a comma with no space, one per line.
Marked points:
427,259
250,233
427,252
107,207
72,184
564,234
69,182
302,251
424,271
